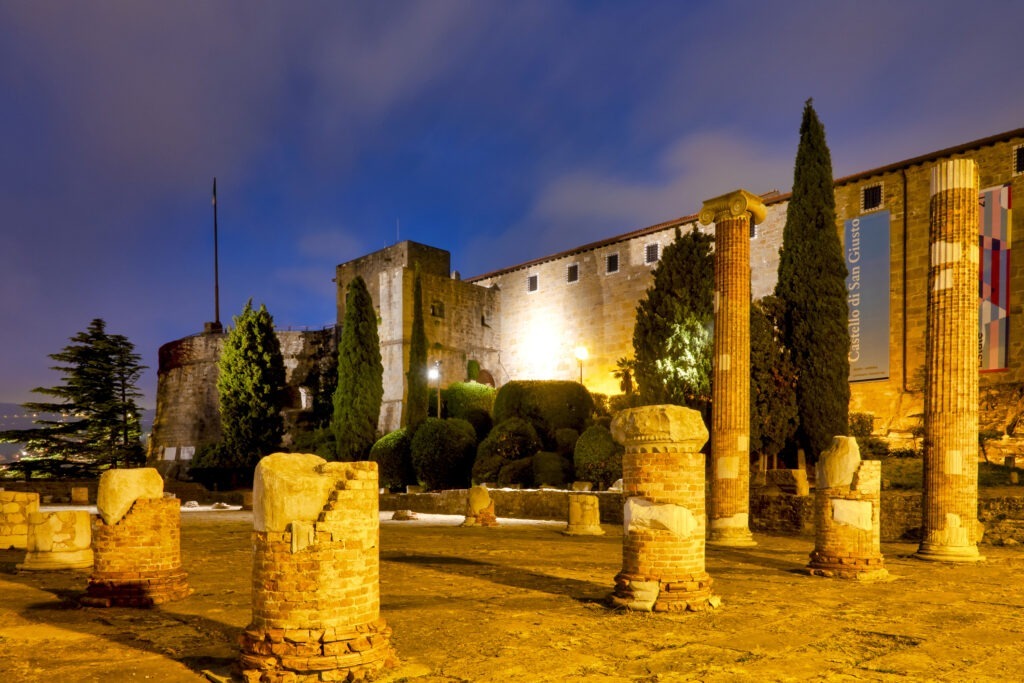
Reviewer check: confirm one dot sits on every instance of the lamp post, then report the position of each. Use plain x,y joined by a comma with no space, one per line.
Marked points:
581,355
434,373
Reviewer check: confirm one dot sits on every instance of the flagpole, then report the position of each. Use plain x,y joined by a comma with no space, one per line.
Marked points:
216,261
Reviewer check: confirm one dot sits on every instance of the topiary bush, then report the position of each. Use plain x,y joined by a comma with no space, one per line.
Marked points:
461,397
442,453
517,472
317,441
549,405
597,457
565,441
509,440
393,455
551,469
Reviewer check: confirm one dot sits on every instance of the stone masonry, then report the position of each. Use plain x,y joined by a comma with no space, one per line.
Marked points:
664,518
847,521
315,573
137,543
59,540
951,529
584,515
729,509
15,508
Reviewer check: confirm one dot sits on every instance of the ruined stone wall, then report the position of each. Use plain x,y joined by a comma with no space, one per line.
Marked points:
898,402
542,328
15,508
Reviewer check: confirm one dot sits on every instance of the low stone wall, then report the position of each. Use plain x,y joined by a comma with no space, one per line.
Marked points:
15,508
59,491
528,504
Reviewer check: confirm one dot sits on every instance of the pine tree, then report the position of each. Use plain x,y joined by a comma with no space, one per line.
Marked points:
672,336
251,389
418,396
812,288
97,405
360,390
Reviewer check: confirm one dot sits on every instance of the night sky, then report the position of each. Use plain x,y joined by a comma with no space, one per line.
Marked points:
499,130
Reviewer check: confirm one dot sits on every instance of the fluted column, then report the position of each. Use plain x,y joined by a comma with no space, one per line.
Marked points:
729,506
951,529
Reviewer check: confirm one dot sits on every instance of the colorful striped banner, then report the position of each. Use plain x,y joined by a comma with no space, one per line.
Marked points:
994,277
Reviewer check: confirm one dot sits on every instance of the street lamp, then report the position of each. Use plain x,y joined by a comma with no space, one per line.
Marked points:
434,373
581,355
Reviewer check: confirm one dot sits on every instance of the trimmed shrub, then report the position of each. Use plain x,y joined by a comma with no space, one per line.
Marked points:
442,453
509,440
481,421
461,397
549,405
597,457
317,441
551,469
565,441
517,472
393,455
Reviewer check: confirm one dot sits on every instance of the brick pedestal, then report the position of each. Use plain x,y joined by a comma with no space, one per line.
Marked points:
950,525
315,576
664,517
15,508
59,540
847,502
729,508
584,515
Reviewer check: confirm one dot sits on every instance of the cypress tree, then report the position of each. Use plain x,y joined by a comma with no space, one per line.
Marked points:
360,389
672,336
251,389
418,397
773,413
812,288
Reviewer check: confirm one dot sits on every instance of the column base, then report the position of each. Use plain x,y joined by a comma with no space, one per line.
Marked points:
855,568
358,653
731,538
687,594
949,553
138,591
583,530
51,561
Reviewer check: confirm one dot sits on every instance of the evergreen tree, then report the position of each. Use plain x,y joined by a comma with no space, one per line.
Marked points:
773,413
97,405
672,336
360,390
251,389
812,288
418,395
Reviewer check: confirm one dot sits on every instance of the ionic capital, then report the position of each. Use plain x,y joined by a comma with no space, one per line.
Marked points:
731,205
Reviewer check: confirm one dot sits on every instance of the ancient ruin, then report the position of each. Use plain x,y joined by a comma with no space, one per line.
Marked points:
479,508
664,517
15,508
59,540
847,523
584,515
950,525
315,573
729,507
136,542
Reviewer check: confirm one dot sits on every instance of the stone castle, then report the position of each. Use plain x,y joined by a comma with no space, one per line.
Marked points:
527,321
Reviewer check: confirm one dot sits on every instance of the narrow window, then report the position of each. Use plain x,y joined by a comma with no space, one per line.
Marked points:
611,263
531,283
651,253
871,197
572,273
437,309
1018,160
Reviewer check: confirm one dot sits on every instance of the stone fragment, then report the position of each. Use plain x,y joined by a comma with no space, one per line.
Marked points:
584,515
643,514
838,464
119,489
404,515
289,487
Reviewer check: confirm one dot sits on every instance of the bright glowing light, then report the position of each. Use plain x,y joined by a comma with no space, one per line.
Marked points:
433,373
581,353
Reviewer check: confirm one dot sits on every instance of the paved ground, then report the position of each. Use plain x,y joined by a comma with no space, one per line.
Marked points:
521,603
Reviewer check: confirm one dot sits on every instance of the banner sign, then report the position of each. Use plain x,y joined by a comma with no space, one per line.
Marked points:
994,277
866,241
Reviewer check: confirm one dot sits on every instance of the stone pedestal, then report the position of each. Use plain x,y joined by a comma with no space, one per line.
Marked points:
137,543
729,508
847,502
664,517
950,526
479,508
584,515
15,508
315,575
59,540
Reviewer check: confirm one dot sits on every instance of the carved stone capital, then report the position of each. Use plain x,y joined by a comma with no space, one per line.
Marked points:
636,428
731,205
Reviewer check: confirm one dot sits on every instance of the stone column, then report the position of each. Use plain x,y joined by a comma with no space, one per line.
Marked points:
584,515
950,525
663,521
59,540
847,521
136,542
315,573
729,508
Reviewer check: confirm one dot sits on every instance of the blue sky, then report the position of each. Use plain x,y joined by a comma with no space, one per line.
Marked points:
499,130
